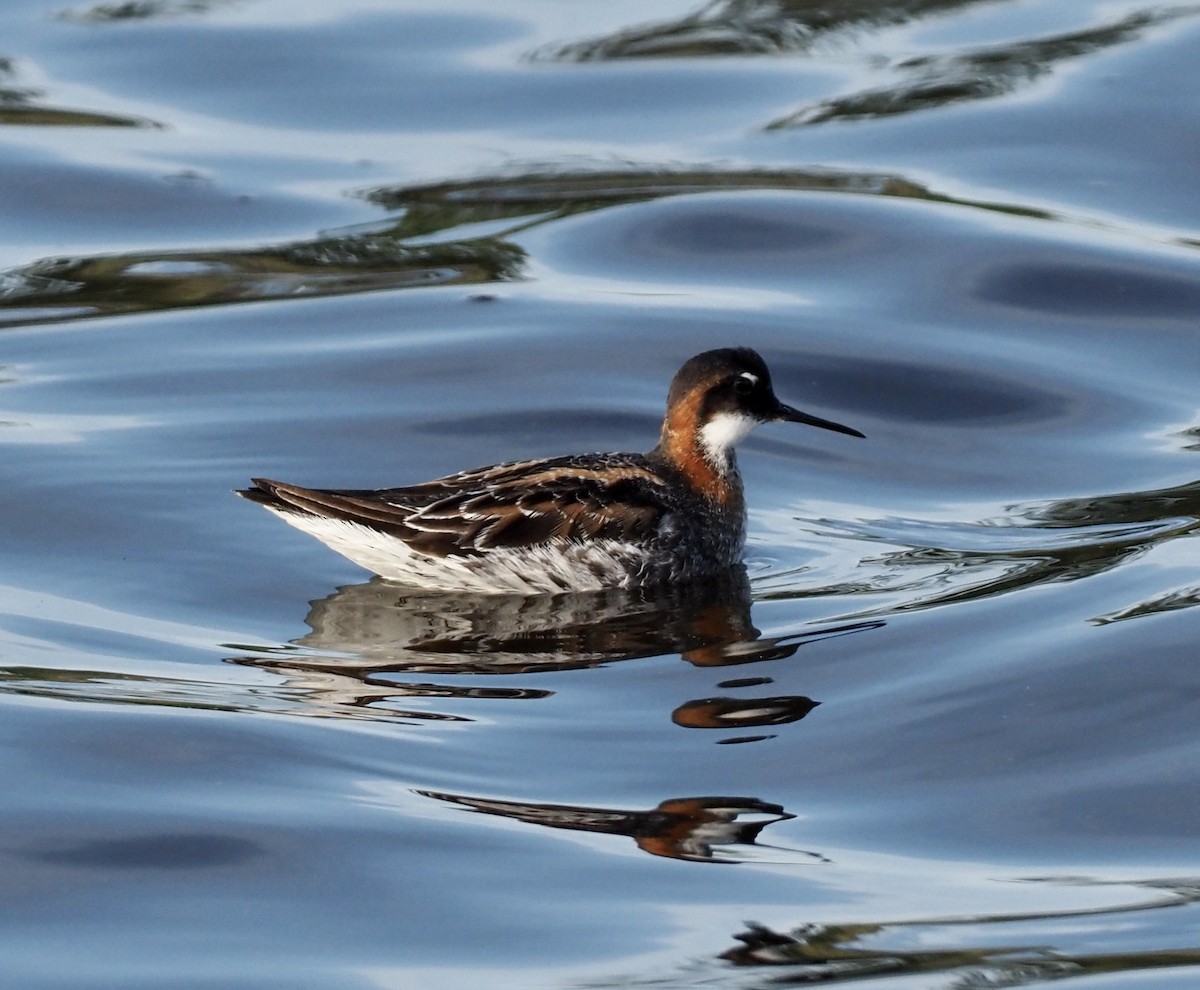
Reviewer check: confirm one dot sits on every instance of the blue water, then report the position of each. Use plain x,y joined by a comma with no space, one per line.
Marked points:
944,736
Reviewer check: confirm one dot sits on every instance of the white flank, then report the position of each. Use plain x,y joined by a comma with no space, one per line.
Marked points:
722,433
560,566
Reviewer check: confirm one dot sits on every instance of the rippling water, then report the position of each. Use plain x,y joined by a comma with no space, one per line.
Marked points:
944,732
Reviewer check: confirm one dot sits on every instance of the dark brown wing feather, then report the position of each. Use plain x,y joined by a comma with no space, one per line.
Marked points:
521,504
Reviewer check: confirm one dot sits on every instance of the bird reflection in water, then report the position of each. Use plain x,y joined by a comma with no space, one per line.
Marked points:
679,828
364,632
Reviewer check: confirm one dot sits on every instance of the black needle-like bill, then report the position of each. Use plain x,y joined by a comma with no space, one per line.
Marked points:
790,415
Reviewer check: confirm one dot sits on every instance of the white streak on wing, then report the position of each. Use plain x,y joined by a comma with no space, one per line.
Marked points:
560,566
721,433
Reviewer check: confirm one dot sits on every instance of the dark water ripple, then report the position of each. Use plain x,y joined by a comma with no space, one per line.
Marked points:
832,953
420,248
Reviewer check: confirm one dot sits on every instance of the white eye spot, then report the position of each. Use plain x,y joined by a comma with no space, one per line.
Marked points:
744,383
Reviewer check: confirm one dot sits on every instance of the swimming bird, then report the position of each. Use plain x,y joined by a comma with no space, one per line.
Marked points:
582,522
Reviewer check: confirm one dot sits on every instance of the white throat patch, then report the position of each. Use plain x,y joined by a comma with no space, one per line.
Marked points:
722,433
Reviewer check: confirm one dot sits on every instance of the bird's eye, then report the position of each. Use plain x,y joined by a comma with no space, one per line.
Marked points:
743,386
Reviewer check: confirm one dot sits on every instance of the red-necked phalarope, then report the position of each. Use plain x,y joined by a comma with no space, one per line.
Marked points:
576,523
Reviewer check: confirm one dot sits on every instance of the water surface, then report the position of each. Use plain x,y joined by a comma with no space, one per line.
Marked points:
941,733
